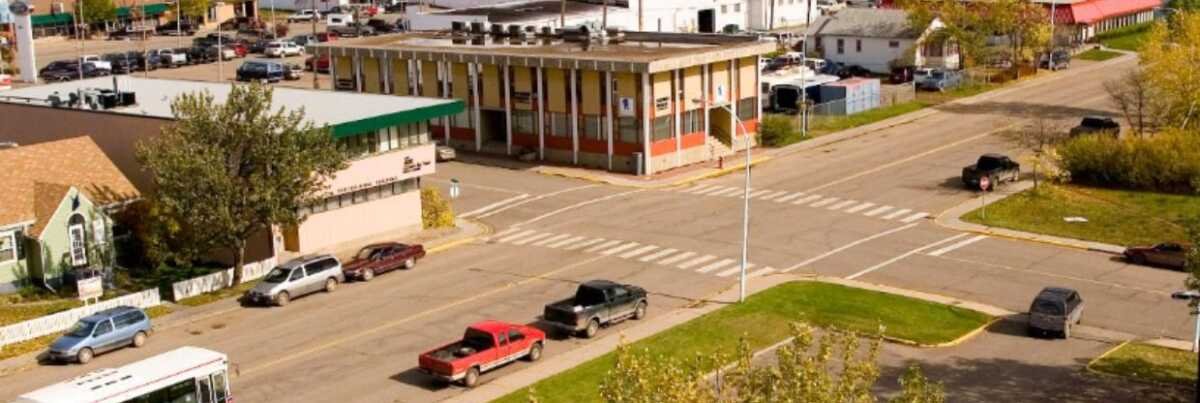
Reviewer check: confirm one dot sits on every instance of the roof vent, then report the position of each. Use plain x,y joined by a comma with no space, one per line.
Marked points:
4,145
458,27
498,29
479,27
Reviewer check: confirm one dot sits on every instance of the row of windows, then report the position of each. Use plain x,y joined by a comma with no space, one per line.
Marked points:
593,127
386,139
737,8
361,196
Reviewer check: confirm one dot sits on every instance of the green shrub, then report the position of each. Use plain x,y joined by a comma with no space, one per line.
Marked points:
780,130
1167,162
435,210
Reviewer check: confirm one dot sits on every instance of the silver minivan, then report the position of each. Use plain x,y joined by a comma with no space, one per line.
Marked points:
298,277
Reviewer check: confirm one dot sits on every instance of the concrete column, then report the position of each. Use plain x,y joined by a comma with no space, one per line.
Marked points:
646,109
705,83
758,89
541,118
332,70
574,122
474,78
677,103
356,64
731,97
508,129
447,75
385,74
414,77
608,117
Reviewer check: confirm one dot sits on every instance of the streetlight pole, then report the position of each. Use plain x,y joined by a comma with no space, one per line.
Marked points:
179,23
316,55
804,65
1050,52
745,200
1191,296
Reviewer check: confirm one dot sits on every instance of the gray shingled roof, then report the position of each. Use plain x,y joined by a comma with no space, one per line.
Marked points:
867,23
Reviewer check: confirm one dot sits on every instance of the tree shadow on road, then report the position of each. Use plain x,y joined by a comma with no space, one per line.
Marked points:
1021,110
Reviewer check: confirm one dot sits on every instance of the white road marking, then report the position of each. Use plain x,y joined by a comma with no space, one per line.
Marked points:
532,238
714,190
577,206
555,238
904,255
739,193
774,195
584,244
696,189
807,199
788,198
602,246
503,233
696,261
724,191
474,186
822,256
878,211
638,251
827,201
842,205
498,204
521,234
715,266
677,258
657,255
896,213
735,269
914,217
960,244
757,193
536,198
564,242
620,249
761,272
860,207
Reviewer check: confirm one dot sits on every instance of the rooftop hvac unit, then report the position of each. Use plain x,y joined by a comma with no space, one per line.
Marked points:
498,29
458,27
547,31
514,30
479,27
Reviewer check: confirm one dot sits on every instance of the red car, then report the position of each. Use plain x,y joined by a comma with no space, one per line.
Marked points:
239,48
1168,254
326,37
484,346
381,258
317,64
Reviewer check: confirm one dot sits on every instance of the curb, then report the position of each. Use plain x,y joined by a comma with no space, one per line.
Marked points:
1088,368
608,180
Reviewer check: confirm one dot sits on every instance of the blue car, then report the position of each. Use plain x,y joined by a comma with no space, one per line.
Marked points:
101,332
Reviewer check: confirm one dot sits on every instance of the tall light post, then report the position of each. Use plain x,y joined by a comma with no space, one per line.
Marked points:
316,55
804,65
1050,53
1192,295
179,23
745,197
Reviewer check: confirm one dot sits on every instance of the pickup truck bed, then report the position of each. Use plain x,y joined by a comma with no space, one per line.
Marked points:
596,303
484,346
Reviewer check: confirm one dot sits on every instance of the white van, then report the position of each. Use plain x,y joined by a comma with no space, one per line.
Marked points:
339,20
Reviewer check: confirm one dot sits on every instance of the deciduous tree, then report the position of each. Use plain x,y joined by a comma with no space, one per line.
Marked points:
224,172
96,11
1040,136
1134,96
1169,58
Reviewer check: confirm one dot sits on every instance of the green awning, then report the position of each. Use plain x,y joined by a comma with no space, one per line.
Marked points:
149,10
421,114
42,20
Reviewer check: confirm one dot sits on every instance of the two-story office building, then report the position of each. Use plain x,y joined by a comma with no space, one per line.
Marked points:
638,102
388,137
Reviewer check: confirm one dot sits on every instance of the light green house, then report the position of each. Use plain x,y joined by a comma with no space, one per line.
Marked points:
55,204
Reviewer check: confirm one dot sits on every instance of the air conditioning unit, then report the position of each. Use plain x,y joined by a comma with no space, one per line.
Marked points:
479,27
458,27
498,29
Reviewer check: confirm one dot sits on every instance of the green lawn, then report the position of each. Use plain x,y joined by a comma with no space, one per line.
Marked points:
1150,363
14,313
823,124
1120,217
764,320
1098,55
1128,38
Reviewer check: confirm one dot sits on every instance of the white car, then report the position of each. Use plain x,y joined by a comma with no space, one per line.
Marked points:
283,49
304,15
96,61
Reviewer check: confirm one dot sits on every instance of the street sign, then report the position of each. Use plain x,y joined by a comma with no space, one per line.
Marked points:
625,107
984,183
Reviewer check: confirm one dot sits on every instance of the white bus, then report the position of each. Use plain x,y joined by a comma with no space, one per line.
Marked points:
183,375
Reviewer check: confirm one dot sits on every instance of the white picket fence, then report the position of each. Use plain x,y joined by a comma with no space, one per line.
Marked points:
61,321
220,279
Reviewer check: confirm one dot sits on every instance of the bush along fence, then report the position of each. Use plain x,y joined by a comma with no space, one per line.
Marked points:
61,321
221,279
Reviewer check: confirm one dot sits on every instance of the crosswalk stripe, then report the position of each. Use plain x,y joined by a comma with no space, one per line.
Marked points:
957,245
698,188
807,199
714,266
521,234
564,242
619,249
825,202
738,193
532,238
638,251
720,190
896,213
761,272
860,207
584,243
677,258
757,193
735,269
602,246
877,211
842,205
914,217
788,198
505,232
774,195
555,238
696,261
657,255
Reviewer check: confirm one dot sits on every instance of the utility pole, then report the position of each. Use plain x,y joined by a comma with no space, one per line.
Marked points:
1050,52
80,26
145,57
640,21
562,14
179,23
316,55
604,17
804,65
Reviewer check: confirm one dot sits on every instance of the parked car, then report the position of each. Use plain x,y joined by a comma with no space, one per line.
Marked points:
304,39
382,26
262,71
326,37
97,61
1167,254
101,332
171,28
170,57
1061,58
122,63
995,167
1096,124
852,71
484,346
597,303
1054,311
258,46
227,52
381,258
445,153
69,70
292,71
200,54
296,278
304,15
352,30
940,80
283,49
141,61
319,64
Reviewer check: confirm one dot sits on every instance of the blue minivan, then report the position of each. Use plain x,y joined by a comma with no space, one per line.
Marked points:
101,332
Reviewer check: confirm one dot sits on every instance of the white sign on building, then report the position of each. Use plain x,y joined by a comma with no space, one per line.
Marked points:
625,107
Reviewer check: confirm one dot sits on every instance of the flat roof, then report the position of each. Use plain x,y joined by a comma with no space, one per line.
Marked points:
637,52
527,11
346,112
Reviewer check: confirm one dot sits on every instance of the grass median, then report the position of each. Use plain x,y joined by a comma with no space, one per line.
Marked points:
1149,363
764,320
1128,38
1098,55
1119,217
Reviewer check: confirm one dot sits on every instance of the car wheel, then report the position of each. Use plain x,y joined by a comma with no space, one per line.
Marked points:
1016,176
472,377
368,274
592,328
1066,333
283,299
139,339
85,356
535,352
330,285
640,311
410,263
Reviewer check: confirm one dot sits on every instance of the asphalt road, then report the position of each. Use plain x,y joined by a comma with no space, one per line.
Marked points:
858,208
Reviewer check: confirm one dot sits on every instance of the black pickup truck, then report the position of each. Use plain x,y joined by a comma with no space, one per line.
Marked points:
597,303
995,167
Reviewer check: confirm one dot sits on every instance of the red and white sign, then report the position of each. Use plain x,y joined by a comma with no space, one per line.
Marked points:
5,82
984,183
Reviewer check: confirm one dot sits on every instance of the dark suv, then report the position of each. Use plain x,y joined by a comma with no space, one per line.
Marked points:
258,70
1054,311
1096,124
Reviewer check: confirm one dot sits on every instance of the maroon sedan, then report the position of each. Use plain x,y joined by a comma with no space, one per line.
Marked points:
1168,254
382,257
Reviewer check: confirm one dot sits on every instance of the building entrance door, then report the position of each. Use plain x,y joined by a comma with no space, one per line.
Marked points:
707,21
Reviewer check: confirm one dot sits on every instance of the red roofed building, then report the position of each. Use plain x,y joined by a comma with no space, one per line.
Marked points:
1085,19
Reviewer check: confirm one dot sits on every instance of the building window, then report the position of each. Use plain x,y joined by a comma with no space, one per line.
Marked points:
858,45
745,108
8,246
662,128
361,196
724,9
593,128
841,46
523,122
893,44
462,120
692,121
628,128
78,239
737,8
560,124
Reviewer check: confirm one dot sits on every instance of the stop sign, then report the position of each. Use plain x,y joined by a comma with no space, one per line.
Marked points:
984,183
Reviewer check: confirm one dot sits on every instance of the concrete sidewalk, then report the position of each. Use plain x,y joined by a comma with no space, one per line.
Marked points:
951,219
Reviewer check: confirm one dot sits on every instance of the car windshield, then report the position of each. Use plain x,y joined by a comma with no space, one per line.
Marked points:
367,253
82,328
477,339
937,74
1047,307
277,275
274,45
254,67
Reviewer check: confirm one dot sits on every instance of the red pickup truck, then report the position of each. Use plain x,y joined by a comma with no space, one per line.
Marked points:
485,345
